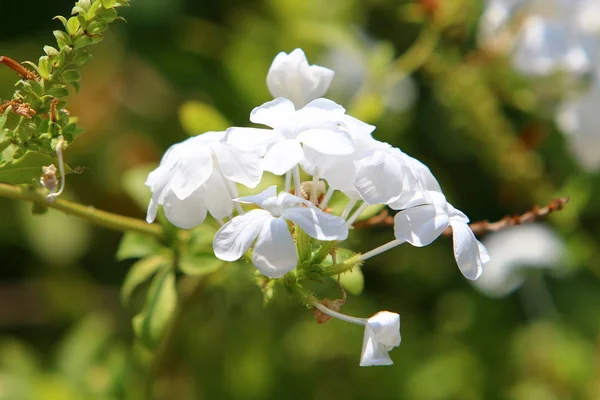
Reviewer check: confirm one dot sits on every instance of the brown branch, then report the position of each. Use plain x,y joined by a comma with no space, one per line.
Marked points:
479,227
19,68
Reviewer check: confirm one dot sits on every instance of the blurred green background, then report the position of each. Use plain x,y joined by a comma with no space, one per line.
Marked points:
481,128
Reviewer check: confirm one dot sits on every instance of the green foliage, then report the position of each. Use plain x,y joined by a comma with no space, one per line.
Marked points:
141,272
26,169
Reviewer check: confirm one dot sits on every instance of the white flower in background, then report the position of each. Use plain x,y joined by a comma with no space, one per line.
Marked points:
382,333
274,253
197,176
515,250
425,218
315,125
291,76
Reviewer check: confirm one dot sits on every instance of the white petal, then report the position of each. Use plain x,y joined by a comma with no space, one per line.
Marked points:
283,156
236,236
274,113
318,224
252,139
335,142
239,166
217,197
192,169
341,174
323,104
466,250
382,333
379,178
258,199
275,252
152,210
286,200
187,213
420,225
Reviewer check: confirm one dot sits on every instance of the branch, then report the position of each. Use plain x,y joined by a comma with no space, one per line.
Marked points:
480,227
102,218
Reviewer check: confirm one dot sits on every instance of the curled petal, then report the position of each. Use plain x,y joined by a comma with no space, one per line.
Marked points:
236,236
283,156
275,253
318,224
420,225
467,250
274,113
382,333
258,199
379,178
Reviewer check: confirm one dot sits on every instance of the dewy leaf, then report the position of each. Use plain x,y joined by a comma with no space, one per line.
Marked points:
140,272
161,302
197,117
200,264
136,245
26,169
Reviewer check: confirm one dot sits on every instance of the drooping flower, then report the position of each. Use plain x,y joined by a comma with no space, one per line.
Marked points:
197,176
382,334
274,252
424,219
291,76
317,125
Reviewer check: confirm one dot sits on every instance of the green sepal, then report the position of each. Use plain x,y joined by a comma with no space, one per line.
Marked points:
141,272
161,303
62,39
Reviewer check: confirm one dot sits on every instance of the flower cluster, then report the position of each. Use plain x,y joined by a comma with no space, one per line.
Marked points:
559,40
293,231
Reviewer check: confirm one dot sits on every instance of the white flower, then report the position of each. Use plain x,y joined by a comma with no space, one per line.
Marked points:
274,253
291,77
515,250
317,125
197,175
382,333
424,219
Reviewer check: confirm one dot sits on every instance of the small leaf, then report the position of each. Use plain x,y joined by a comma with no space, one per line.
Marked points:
136,245
142,271
26,169
44,67
109,3
62,39
161,302
71,75
50,51
73,25
200,264
197,117
58,91
81,58
61,19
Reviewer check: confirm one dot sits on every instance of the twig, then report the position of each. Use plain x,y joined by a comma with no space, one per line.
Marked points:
480,227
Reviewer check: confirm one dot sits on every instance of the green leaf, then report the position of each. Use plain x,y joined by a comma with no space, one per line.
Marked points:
197,117
142,271
50,51
73,25
62,39
200,264
58,91
26,169
136,245
109,3
81,57
61,19
161,302
71,75
44,67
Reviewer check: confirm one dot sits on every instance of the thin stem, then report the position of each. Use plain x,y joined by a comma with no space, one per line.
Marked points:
61,169
297,183
335,314
328,196
102,218
345,266
356,214
380,249
323,252
349,208
314,191
288,181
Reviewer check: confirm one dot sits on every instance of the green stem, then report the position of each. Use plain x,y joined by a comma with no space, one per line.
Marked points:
102,218
323,252
345,266
303,244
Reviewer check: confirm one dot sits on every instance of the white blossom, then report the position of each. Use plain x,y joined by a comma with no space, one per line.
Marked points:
382,333
291,76
197,176
274,252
